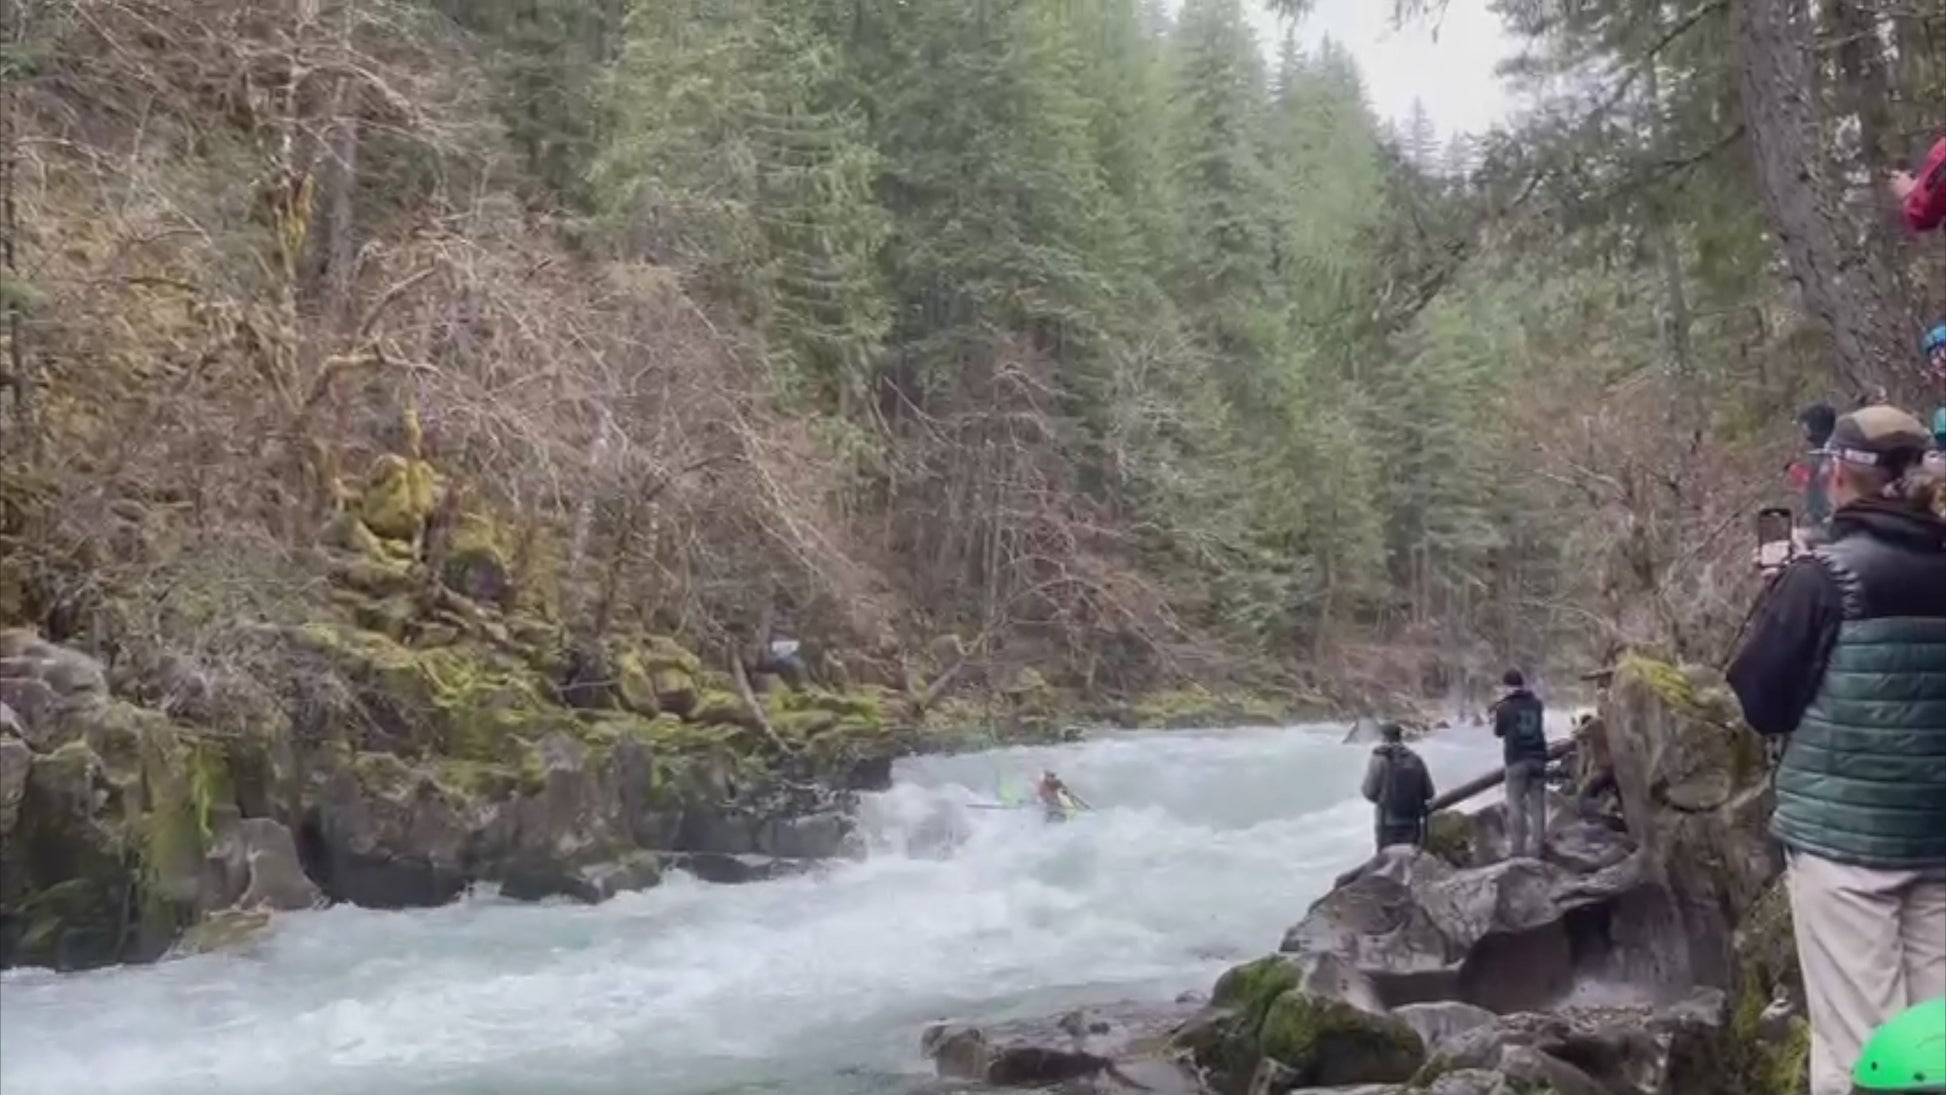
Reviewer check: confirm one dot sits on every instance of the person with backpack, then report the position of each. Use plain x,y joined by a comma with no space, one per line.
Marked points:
1845,662
1519,721
1399,786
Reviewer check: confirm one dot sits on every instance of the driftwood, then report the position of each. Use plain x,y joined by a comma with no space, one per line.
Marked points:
1555,751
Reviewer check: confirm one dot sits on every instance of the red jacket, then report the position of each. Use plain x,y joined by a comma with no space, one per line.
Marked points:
1925,207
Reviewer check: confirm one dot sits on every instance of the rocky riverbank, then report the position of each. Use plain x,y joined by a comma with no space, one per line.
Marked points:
1652,962
429,727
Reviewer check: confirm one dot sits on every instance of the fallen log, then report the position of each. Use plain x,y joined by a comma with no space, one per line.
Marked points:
1555,751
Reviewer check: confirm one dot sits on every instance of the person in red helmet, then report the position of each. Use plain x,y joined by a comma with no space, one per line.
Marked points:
1922,196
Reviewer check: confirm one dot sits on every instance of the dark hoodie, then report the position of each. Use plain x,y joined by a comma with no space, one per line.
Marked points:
1781,664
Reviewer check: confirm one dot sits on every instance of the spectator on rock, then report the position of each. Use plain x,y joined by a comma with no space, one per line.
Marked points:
1519,721
1847,656
1398,785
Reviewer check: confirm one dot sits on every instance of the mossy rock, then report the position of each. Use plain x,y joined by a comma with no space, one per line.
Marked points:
476,564
1252,987
866,705
228,930
1451,835
635,684
675,690
661,652
400,494
391,617
720,707
465,701
1331,1043
803,725
374,576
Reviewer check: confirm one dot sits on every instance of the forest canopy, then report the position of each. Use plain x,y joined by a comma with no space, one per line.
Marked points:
1101,337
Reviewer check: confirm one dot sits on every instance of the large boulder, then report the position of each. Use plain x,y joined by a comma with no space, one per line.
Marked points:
1326,1042
15,761
1286,1021
253,864
104,862
1508,937
1696,798
388,835
49,690
1601,1050
589,883
1123,1048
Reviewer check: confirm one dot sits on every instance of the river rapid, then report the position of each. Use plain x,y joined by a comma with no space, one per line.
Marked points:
1201,849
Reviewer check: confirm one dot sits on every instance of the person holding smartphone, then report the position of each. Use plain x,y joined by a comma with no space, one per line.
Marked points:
1922,196
1846,659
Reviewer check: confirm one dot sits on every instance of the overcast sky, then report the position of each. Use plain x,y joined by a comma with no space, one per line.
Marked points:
1448,64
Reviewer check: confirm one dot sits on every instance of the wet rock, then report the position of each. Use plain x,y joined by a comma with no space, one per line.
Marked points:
15,761
815,836
590,883
1440,1023
253,864
1124,1048
734,870
570,818
871,774
390,836
229,930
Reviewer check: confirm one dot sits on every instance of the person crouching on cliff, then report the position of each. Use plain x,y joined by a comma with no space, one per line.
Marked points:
1398,785
1847,656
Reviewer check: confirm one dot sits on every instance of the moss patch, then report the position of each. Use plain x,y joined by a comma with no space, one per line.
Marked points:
400,493
1329,1042
1450,836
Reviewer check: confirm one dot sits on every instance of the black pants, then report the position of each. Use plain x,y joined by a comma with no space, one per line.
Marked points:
1411,832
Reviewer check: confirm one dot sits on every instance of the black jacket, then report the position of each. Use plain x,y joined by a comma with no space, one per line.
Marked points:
1520,724
1781,663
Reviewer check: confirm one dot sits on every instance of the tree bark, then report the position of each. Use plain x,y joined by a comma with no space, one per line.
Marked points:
1841,261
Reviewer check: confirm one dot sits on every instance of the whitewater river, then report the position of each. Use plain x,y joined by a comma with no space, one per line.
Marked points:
1202,849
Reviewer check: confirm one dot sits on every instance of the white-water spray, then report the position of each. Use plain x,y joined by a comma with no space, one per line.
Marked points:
1201,848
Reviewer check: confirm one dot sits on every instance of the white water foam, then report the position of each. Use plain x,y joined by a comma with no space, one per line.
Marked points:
1201,848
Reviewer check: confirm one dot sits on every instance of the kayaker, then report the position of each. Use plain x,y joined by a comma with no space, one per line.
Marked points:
1055,796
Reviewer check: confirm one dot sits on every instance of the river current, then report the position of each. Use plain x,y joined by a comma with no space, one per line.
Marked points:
1201,848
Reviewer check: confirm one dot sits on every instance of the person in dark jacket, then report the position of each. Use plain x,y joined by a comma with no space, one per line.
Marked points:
1847,656
1519,721
1399,787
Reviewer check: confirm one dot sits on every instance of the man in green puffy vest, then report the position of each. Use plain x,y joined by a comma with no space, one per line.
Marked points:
1847,656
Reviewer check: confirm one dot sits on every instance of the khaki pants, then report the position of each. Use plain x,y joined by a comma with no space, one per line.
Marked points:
1871,944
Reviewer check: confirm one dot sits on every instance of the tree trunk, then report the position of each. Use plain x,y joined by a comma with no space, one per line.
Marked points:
1839,261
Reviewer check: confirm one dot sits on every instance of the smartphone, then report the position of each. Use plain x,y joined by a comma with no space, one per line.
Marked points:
1774,540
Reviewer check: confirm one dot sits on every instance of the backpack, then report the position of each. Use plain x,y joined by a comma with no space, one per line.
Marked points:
1526,732
1403,798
